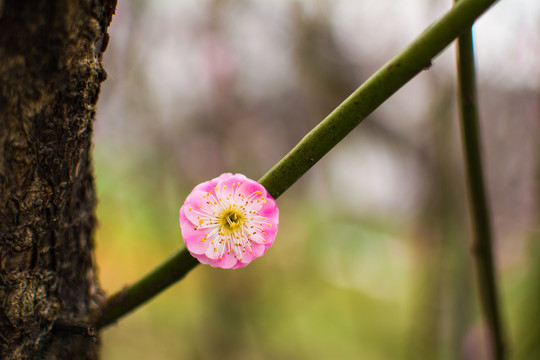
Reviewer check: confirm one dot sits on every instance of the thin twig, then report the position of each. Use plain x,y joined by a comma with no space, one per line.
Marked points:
370,95
478,202
166,274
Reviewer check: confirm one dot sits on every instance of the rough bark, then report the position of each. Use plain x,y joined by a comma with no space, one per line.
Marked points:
50,75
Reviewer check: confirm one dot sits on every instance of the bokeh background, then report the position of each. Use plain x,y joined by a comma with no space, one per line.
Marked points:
372,258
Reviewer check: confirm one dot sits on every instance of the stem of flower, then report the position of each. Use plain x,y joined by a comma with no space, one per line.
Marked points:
129,298
319,141
482,240
371,94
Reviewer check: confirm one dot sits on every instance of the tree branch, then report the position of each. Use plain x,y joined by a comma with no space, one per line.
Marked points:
372,93
166,274
478,203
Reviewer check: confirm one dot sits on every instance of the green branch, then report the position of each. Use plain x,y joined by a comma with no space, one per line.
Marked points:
482,240
129,298
370,95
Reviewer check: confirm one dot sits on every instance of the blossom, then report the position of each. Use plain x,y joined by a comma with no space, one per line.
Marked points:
228,221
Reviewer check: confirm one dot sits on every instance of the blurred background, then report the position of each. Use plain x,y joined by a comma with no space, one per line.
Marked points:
372,258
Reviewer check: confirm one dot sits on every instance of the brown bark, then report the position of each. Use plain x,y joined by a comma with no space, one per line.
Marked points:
50,75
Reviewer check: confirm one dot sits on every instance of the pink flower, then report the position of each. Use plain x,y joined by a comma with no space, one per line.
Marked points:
228,221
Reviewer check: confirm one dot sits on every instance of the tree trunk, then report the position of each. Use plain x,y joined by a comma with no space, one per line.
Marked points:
50,75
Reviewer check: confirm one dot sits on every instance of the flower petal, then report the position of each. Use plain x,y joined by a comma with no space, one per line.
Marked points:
228,261
216,238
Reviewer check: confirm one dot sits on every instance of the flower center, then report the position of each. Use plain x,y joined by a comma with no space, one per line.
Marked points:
231,220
